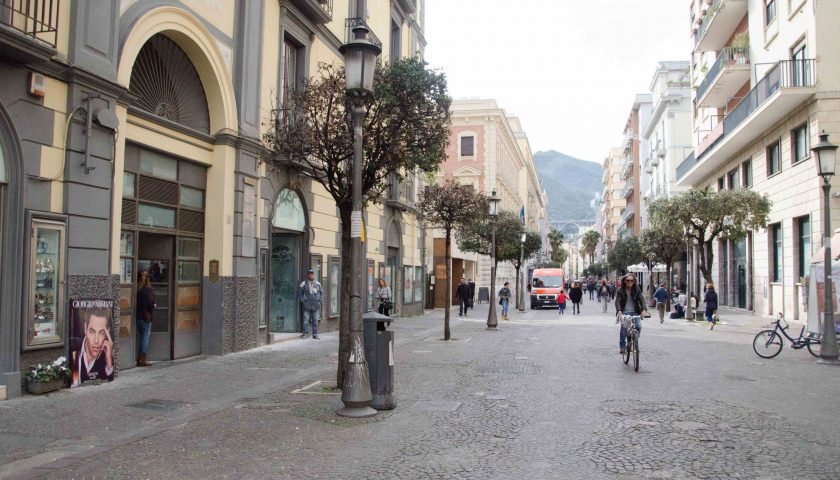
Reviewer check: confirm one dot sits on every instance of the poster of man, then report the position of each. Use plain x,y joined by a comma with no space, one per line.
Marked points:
91,341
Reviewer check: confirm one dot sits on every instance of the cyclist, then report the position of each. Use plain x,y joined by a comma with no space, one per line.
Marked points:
629,300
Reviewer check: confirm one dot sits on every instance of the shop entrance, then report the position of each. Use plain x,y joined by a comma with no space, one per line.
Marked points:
154,255
285,277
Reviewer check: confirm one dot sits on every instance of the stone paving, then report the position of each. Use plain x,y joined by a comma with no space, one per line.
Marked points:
545,396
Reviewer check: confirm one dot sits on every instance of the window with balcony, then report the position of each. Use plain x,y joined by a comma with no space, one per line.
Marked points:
799,66
799,145
774,160
291,68
467,146
746,173
776,249
769,11
803,244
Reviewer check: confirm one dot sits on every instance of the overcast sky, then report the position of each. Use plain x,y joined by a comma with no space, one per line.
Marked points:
568,68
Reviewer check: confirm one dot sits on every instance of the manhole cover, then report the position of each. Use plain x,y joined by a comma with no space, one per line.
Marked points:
436,406
158,404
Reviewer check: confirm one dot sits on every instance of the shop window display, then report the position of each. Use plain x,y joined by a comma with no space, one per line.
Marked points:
46,277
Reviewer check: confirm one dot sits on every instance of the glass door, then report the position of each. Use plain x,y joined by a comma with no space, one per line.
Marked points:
154,256
285,277
741,266
187,337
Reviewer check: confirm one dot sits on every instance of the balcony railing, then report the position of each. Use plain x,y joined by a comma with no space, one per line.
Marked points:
706,20
34,18
686,165
628,188
352,23
628,212
787,73
728,56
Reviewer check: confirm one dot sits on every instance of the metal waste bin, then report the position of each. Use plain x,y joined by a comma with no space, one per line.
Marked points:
379,354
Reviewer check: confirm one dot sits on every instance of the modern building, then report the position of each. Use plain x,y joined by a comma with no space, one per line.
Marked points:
613,200
489,150
634,148
130,140
766,81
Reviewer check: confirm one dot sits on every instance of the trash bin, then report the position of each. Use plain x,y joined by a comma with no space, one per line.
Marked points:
379,355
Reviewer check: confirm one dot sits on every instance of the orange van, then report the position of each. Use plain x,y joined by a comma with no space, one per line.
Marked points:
546,284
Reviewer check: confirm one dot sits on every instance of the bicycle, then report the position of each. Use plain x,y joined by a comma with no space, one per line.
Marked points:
632,349
768,343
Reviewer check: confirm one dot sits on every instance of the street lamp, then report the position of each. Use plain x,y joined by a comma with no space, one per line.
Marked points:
520,297
826,154
359,65
689,312
492,321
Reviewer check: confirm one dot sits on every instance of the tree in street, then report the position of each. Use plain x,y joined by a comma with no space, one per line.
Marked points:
624,253
709,215
450,206
667,242
477,236
518,256
406,129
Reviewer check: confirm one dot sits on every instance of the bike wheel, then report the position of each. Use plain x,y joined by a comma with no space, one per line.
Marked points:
767,344
636,352
814,347
628,350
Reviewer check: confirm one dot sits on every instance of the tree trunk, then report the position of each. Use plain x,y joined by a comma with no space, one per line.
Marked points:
707,257
448,301
668,285
518,285
344,296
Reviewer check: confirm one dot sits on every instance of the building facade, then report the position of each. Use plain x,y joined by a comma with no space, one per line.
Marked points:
634,148
766,81
130,138
489,150
613,200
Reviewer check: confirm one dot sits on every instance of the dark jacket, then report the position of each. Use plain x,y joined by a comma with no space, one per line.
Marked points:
146,304
711,299
661,295
638,299
504,293
310,301
575,294
463,292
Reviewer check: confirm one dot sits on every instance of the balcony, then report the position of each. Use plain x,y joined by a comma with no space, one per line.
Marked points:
728,74
628,213
628,189
718,23
317,11
352,23
785,86
28,29
627,170
409,6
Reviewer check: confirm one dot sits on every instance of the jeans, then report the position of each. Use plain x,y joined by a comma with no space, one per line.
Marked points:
310,317
505,306
144,329
575,307
465,305
710,315
562,307
591,292
622,335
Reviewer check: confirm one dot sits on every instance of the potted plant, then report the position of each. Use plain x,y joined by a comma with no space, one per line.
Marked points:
45,378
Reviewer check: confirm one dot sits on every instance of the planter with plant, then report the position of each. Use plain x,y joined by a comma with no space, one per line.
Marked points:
45,378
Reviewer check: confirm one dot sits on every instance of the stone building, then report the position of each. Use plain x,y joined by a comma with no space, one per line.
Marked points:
130,140
766,81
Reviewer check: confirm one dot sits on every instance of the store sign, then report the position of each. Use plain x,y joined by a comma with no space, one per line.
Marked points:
91,341
214,271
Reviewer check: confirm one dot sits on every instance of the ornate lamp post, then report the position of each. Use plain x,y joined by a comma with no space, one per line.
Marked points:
826,154
520,296
359,65
492,321
689,312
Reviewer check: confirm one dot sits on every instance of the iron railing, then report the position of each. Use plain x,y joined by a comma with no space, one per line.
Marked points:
326,6
728,56
628,212
706,21
352,23
34,18
628,187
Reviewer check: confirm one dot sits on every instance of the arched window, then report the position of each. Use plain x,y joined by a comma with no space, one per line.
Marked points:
288,212
168,85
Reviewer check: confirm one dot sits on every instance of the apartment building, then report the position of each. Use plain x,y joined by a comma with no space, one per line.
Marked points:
613,201
634,148
766,81
130,140
489,150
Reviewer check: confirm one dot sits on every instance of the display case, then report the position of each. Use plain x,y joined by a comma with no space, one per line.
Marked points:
45,312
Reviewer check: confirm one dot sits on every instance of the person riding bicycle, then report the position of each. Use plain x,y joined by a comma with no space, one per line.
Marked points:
629,300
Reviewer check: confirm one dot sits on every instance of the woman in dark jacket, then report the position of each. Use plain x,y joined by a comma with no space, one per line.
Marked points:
629,300
575,295
711,301
145,311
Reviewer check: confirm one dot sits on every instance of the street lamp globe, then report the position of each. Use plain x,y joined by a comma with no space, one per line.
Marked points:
359,60
826,153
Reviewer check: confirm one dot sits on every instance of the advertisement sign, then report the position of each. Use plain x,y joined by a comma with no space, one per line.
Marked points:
91,341
816,296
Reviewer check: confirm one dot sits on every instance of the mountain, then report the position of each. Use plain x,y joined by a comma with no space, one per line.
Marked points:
570,184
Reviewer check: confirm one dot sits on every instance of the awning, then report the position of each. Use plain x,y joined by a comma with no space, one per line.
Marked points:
835,249
642,268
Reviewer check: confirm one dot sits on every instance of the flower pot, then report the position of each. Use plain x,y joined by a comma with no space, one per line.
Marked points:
39,388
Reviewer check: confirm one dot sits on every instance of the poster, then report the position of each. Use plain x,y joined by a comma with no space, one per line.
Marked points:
816,296
91,341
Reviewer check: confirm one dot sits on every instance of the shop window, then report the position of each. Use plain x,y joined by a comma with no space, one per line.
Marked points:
334,285
263,268
288,211
799,143
154,216
316,263
418,284
371,284
192,198
189,248
45,319
408,285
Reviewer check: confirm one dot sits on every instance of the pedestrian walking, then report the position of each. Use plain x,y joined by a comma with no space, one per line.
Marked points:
661,296
576,295
472,293
145,312
310,294
591,287
611,286
504,300
604,294
383,294
711,301
561,301
463,295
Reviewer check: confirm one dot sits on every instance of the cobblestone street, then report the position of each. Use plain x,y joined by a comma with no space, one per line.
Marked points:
545,396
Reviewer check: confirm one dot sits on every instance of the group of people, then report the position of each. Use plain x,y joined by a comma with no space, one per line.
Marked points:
573,291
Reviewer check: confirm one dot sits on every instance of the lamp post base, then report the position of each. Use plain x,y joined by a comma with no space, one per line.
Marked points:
351,412
828,361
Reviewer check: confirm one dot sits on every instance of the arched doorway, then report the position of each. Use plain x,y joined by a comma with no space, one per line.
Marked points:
288,239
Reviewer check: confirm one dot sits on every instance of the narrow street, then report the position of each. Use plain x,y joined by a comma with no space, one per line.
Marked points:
545,396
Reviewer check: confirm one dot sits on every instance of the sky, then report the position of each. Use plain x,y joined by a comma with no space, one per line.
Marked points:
569,69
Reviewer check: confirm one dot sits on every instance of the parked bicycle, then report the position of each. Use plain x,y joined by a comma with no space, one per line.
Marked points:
632,350
768,343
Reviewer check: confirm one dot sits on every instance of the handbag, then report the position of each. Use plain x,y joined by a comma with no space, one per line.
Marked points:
387,304
501,301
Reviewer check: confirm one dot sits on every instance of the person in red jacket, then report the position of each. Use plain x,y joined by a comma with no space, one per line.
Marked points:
561,301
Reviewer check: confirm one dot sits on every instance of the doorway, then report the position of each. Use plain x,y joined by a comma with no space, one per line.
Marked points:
285,276
154,255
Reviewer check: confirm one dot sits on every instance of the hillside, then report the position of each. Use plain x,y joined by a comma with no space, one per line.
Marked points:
570,184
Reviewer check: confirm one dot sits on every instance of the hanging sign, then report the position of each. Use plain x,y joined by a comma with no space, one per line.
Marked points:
214,271
356,228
